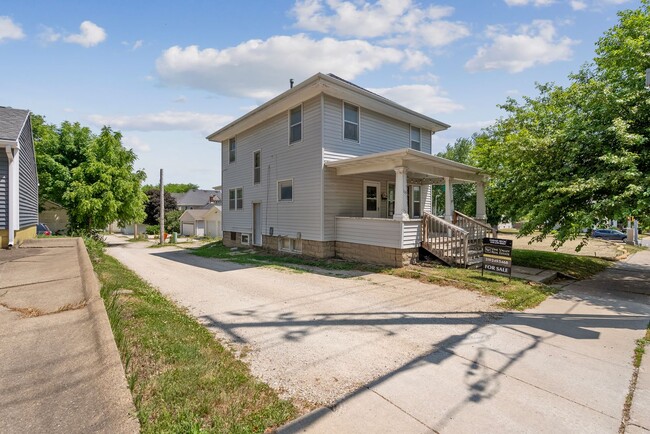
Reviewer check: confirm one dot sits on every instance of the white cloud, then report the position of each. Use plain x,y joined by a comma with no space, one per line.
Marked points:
9,29
535,44
423,98
399,22
89,36
537,3
137,44
180,99
261,68
48,35
136,143
164,121
578,5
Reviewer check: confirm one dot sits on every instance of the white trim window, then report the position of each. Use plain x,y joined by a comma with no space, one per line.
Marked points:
416,201
350,122
257,167
295,124
285,190
236,199
232,150
416,138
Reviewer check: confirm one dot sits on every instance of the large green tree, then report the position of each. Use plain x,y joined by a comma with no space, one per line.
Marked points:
172,187
464,194
92,176
573,157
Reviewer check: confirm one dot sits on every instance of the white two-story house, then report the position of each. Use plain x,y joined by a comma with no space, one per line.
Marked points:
328,169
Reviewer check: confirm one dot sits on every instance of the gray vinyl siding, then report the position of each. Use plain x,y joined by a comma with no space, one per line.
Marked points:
28,179
344,197
301,161
377,133
4,189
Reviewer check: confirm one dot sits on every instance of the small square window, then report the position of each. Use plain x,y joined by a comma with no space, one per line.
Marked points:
232,150
285,190
295,124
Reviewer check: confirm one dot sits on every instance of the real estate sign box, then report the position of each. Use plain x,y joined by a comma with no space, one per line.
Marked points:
497,256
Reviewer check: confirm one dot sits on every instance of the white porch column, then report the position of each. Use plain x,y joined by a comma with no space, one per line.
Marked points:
449,199
481,214
401,205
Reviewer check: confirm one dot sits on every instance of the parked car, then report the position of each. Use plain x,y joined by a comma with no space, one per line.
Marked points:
42,229
608,234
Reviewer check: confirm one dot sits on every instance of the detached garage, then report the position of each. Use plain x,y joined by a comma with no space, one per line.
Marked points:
201,222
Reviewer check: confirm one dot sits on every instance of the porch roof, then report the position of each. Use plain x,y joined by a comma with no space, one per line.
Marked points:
428,168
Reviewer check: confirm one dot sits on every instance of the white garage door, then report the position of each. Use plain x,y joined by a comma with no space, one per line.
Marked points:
188,229
200,228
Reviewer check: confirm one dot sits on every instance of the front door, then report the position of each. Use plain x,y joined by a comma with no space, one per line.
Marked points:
257,224
371,198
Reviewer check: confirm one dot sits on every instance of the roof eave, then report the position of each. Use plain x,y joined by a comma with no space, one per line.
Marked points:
321,83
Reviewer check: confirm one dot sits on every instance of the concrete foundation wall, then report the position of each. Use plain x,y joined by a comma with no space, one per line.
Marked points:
392,257
379,255
19,236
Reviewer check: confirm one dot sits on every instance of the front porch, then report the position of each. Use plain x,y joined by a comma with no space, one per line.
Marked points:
406,204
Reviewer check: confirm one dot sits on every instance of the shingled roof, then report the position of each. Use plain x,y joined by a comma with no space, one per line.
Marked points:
11,122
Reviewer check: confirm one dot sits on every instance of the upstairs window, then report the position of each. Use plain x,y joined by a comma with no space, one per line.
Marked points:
257,167
232,150
285,190
236,199
415,138
295,124
350,122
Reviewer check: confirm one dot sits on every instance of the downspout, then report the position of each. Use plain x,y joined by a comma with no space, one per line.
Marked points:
11,196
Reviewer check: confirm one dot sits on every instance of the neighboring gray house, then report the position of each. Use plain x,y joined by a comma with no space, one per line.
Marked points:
194,199
328,168
18,178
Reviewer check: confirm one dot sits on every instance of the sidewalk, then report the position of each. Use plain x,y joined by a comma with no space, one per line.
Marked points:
60,371
564,366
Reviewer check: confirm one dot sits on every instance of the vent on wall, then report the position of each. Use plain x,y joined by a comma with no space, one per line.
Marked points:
245,239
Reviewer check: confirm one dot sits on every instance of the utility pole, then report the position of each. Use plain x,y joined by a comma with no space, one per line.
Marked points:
162,209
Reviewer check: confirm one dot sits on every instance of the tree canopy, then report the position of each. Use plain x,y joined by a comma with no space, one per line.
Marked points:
573,157
152,207
172,187
92,176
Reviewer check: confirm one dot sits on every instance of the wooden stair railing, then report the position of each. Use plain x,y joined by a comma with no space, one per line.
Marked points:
445,240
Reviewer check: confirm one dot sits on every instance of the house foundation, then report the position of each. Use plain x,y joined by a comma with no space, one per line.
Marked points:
19,236
389,256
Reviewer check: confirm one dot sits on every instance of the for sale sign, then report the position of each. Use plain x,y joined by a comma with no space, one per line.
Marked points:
497,256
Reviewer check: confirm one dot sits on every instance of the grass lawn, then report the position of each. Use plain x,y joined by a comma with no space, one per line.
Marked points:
181,378
579,267
516,294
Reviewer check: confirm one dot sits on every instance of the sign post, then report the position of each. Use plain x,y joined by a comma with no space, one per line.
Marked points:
497,256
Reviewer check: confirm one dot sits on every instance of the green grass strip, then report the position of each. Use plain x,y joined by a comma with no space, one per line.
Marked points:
579,267
182,379
516,294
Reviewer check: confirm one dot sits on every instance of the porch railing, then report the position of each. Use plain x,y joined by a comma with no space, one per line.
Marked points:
445,240
477,229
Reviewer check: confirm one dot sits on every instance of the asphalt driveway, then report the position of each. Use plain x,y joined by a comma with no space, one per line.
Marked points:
313,337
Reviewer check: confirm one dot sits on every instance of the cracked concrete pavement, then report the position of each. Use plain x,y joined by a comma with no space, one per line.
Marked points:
60,370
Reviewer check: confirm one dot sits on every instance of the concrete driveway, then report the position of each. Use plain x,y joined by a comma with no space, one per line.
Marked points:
313,337
419,358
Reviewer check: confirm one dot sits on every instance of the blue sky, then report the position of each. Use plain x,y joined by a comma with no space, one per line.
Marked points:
168,73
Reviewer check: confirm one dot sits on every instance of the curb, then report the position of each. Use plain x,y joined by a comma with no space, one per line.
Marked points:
105,339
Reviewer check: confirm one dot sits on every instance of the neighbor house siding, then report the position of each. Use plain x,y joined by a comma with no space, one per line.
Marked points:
301,161
28,180
4,189
377,133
